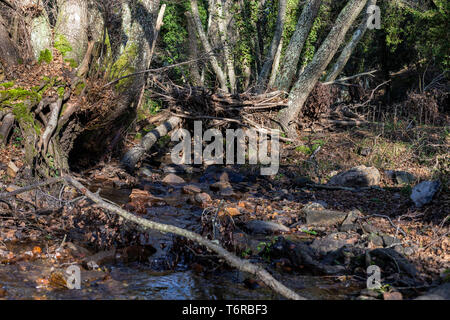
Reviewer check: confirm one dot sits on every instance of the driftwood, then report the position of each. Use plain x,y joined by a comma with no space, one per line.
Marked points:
136,153
233,260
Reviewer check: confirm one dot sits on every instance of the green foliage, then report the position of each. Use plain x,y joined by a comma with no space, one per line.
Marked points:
45,56
62,44
7,85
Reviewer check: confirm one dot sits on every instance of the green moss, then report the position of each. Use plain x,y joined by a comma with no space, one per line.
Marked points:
60,91
62,44
18,94
25,117
72,62
125,66
79,87
46,56
7,85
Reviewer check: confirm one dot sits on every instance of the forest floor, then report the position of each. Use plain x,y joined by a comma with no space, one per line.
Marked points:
267,219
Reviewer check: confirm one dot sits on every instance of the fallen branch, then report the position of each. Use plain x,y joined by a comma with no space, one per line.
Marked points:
5,195
241,264
136,153
338,81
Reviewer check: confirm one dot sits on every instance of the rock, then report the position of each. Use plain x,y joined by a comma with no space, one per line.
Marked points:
301,181
145,172
365,151
174,168
202,198
389,241
3,293
173,179
323,217
224,187
440,293
392,296
423,192
368,228
12,169
265,227
360,176
327,244
319,204
191,189
370,293
100,258
348,224
384,256
376,240
401,177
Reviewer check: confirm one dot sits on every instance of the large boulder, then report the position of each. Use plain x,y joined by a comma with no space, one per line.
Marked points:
424,192
360,176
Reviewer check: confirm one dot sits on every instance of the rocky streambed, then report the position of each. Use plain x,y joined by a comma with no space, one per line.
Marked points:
319,241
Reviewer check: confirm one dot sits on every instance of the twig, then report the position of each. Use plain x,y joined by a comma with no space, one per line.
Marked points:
5,195
165,228
350,77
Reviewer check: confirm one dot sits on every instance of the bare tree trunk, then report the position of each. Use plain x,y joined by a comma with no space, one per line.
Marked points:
270,56
229,61
294,49
301,89
351,45
207,46
275,66
40,30
194,71
71,30
9,55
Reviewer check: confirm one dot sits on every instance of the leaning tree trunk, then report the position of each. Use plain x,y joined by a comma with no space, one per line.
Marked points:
351,45
270,56
307,80
207,46
292,55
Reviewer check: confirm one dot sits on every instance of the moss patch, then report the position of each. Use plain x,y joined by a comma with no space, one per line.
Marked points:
7,85
45,56
62,44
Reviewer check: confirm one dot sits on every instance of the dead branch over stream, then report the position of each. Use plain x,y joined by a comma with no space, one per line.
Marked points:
164,228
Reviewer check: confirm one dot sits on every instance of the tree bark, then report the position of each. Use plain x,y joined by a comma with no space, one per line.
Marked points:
270,56
194,71
136,153
351,45
71,30
295,46
207,46
307,80
40,31
9,55
229,61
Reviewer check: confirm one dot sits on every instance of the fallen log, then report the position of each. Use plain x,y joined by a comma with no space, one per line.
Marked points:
136,153
233,260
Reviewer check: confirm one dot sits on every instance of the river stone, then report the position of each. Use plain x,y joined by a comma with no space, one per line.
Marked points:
423,192
401,177
191,189
173,179
202,198
323,217
440,293
265,227
360,176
